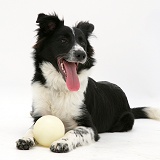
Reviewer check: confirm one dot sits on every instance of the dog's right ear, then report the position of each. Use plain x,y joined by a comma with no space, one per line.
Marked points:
86,27
48,23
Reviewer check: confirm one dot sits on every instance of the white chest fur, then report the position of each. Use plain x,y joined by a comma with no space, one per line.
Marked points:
54,98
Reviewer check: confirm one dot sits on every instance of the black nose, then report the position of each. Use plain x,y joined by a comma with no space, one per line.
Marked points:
80,55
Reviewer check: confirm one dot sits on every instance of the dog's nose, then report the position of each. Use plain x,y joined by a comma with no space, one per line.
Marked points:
80,55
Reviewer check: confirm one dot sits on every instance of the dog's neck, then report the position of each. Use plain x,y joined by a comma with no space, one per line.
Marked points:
55,81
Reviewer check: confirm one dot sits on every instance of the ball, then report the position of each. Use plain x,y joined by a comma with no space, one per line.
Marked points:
48,129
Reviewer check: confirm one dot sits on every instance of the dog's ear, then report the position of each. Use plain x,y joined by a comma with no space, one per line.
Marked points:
40,17
86,27
48,23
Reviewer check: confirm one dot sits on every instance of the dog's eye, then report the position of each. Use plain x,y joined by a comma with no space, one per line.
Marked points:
83,43
63,41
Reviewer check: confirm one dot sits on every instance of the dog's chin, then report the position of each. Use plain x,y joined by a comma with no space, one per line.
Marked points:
69,73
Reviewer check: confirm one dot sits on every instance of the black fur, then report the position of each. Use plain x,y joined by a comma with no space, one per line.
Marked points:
108,106
24,144
139,112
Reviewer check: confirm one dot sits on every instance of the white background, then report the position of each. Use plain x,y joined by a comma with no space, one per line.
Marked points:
127,49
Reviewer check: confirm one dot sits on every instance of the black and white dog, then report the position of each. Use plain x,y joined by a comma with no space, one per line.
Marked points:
62,87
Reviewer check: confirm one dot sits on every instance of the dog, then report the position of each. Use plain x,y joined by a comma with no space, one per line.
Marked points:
63,58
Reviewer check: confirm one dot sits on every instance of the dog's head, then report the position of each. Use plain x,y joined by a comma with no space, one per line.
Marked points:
66,48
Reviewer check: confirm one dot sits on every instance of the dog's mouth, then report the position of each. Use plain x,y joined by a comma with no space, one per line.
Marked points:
69,73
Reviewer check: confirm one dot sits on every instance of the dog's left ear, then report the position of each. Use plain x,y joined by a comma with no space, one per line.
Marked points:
48,23
86,27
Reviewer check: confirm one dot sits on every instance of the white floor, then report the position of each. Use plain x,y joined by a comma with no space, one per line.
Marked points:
142,143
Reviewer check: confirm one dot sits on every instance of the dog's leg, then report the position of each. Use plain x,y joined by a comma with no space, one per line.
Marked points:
27,141
41,107
124,124
77,137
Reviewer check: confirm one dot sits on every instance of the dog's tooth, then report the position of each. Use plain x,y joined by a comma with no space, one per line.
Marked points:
62,66
63,69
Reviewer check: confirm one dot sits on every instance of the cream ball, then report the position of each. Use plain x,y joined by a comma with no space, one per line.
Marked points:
48,129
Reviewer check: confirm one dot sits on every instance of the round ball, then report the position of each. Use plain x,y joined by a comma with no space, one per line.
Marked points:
48,129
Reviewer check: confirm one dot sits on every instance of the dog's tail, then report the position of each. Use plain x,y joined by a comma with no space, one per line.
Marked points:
146,112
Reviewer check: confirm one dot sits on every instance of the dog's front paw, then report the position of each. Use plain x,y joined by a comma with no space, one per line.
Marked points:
61,146
25,144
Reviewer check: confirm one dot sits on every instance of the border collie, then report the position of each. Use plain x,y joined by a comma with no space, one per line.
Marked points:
63,57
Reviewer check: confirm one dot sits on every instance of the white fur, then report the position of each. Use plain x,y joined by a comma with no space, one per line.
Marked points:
72,30
153,113
72,139
76,47
28,138
54,98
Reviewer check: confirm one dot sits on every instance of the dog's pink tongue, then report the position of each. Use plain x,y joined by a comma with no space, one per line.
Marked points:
72,79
